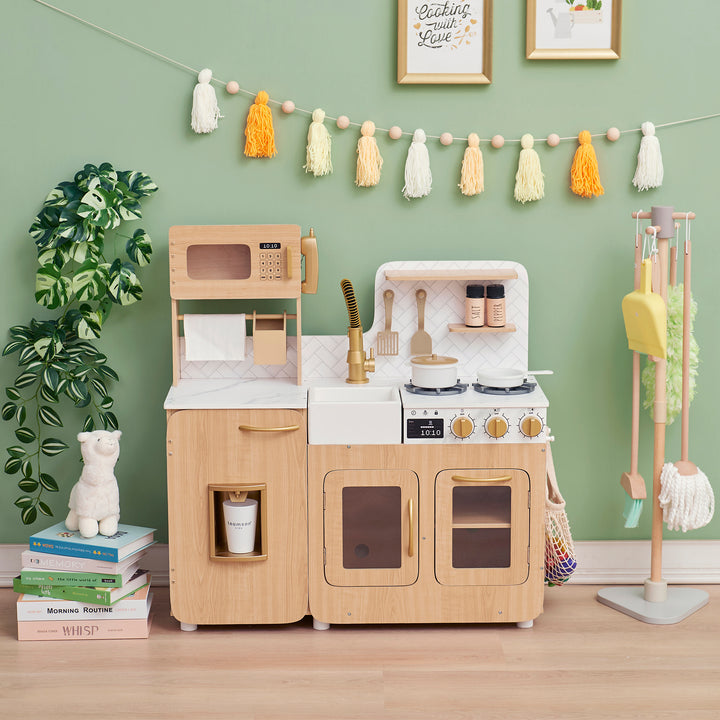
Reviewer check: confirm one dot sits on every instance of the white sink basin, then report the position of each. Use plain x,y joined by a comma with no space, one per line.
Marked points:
354,415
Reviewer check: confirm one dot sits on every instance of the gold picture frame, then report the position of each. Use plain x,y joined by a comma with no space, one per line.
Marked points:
556,30
445,42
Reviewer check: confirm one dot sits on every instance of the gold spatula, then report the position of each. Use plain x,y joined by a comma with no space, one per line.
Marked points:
421,342
387,340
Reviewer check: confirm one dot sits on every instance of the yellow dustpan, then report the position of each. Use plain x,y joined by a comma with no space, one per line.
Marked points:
645,317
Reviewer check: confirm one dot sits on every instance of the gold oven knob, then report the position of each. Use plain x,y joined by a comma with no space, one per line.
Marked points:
531,426
496,426
462,427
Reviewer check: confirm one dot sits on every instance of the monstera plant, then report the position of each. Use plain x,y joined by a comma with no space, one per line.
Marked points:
60,368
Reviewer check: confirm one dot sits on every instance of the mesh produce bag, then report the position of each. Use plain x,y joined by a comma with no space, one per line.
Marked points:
560,561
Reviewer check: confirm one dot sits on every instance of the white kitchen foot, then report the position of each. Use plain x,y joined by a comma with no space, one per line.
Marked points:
525,623
318,625
188,627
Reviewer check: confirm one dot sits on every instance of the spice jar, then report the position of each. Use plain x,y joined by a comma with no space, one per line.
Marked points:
475,306
495,305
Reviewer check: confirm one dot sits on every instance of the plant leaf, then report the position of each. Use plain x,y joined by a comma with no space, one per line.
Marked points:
45,508
89,424
12,346
48,482
28,515
124,288
50,378
109,421
48,395
27,469
23,501
13,465
28,485
25,435
25,379
51,288
139,248
8,410
48,416
53,446
91,280
16,451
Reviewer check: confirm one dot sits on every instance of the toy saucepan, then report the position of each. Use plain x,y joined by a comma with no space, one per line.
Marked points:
507,377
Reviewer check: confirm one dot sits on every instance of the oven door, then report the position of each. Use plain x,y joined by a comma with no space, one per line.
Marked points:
371,534
482,526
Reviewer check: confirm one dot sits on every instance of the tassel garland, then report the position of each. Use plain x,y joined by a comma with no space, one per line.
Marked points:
318,160
259,133
529,180
584,174
369,162
418,178
472,174
649,172
205,110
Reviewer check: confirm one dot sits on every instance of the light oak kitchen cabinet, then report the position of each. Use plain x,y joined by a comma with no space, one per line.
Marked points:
210,454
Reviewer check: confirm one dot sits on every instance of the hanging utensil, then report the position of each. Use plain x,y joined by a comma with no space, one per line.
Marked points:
387,340
645,317
421,342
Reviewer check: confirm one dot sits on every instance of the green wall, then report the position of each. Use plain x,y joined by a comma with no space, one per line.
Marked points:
72,96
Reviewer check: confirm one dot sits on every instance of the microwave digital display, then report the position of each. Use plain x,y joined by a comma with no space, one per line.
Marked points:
425,428
270,245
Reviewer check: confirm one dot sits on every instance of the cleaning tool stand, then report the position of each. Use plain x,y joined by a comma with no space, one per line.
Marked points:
657,603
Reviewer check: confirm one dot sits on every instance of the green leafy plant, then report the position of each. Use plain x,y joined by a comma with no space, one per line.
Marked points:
57,360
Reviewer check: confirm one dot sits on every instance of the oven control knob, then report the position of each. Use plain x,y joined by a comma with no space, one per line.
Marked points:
462,426
531,426
496,426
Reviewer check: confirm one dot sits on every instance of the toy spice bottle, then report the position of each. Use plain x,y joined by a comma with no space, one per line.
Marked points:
495,305
475,306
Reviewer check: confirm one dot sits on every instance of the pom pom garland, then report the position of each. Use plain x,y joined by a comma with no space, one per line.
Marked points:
259,133
369,162
318,160
395,132
497,141
205,110
288,107
343,122
553,140
418,178
584,174
613,134
472,174
446,138
529,182
649,171
232,88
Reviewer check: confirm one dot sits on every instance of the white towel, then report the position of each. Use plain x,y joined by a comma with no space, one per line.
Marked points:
214,337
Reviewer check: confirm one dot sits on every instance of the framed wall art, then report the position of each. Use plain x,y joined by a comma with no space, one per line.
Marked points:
573,29
444,41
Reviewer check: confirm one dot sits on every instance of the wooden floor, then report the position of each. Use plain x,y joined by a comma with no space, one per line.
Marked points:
580,660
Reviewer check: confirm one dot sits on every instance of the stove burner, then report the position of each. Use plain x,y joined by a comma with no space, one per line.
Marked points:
523,389
457,389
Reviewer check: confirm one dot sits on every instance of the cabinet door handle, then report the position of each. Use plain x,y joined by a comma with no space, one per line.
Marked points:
411,540
463,478
257,428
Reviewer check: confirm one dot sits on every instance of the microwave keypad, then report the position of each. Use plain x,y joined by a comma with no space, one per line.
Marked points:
270,265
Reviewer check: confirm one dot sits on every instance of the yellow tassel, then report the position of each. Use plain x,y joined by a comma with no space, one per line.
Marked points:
259,133
472,175
584,174
529,181
369,162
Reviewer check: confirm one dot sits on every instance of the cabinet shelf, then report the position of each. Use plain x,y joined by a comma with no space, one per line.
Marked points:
485,329
450,274
480,525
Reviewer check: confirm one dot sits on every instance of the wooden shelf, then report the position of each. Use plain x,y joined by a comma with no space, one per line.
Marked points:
451,274
480,526
460,328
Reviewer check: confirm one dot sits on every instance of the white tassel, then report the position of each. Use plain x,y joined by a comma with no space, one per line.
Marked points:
687,501
529,179
649,172
205,110
318,160
418,178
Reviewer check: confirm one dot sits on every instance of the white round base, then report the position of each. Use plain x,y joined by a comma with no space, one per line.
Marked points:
188,627
319,625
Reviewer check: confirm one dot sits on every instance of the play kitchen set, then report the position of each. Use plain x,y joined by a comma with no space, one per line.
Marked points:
404,481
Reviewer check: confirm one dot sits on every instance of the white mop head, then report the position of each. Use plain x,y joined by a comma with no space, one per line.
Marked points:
687,501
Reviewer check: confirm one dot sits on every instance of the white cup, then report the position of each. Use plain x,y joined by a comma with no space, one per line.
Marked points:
240,520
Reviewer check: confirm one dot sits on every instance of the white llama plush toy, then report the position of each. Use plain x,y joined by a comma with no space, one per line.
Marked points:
95,499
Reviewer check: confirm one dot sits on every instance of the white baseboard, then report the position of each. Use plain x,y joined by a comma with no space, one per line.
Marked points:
600,562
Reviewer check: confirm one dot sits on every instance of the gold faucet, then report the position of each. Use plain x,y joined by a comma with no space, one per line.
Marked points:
358,363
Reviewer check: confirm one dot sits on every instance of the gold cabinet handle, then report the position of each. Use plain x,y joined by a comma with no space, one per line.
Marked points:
462,478
256,428
411,541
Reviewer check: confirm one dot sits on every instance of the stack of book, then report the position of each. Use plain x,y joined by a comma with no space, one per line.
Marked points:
84,588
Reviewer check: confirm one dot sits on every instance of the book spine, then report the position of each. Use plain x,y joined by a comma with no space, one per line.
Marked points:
81,630
57,547
48,577
130,608
94,596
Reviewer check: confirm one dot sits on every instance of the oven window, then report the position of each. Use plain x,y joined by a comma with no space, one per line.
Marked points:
372,527
218,262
